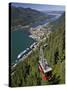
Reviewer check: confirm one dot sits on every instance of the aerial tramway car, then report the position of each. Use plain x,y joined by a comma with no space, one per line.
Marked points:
44,68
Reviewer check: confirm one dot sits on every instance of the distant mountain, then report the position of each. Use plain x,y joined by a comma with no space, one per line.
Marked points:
55,55
55,12
25,16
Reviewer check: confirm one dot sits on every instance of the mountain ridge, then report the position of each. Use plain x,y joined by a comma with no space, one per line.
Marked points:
25,16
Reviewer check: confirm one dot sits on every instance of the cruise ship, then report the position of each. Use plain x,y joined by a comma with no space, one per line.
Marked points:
26,51
21,54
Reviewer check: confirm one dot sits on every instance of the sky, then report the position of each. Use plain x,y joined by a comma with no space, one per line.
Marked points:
40,7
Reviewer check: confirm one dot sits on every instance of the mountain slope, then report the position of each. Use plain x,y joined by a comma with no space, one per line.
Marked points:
25,16
55,52
27,72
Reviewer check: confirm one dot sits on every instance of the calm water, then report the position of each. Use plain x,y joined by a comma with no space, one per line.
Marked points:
19,42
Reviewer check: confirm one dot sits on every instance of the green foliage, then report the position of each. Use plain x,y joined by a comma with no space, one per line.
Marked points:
55,51
25,16
27,73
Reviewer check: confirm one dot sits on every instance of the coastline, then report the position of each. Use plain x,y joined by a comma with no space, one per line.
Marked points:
25,55
36,38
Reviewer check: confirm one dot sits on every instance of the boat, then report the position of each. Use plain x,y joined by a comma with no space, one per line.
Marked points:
32,46
21,54
26,51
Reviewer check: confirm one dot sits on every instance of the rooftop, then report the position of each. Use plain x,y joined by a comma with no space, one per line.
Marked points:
46,68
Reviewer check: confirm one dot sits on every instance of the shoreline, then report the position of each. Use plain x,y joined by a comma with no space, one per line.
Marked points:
26,55
37,39
34,45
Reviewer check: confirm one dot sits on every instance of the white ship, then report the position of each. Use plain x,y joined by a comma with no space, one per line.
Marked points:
21,54
26,51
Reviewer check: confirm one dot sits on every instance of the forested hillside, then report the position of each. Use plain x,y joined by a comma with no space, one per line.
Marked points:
55,51
27,73
25,16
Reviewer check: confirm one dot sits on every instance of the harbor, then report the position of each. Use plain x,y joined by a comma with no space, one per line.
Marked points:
23,55
37,34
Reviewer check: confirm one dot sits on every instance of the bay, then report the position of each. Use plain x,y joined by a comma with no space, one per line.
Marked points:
19,42
20,39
